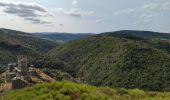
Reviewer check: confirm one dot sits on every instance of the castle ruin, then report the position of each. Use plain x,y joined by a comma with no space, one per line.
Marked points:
17,73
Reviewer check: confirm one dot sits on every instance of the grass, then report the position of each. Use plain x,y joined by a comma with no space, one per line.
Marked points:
66,90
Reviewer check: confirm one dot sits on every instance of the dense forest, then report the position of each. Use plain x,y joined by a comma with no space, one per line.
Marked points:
148,35
114,61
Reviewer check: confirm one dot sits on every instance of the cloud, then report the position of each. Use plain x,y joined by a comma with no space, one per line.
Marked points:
73,12
125,11
61,25
157,7
144,21
59,10
37,21
28,11
148,15
97,21
74,2
151,8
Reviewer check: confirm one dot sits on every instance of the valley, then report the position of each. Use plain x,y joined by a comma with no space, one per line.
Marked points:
121,65
62,37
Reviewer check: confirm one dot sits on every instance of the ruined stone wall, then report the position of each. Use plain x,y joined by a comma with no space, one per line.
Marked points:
9,76
18,83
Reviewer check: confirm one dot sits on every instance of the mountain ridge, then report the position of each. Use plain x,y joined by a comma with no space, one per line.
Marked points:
57,36
137,34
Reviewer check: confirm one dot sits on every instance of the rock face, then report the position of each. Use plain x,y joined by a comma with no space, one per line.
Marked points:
38,76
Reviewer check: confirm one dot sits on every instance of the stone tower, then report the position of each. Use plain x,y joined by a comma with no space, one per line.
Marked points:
22,65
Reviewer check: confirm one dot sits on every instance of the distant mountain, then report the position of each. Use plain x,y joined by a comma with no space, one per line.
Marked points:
62,36
132,34
13,43
108,60
156,39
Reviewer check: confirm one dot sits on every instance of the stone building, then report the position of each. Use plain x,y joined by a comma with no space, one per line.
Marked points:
22,65
17,73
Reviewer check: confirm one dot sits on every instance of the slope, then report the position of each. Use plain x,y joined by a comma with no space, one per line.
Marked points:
14,43
72,91
157,39
115,62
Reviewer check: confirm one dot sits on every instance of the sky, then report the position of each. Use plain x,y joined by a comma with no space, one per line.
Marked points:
85,16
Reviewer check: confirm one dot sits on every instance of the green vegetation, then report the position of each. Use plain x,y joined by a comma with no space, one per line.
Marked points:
58,75
115,62
72,91
13,43
62,36
138,35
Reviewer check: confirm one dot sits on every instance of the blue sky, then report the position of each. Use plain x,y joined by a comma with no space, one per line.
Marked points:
85,16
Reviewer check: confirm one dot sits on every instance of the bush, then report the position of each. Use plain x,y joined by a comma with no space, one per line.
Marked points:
72,91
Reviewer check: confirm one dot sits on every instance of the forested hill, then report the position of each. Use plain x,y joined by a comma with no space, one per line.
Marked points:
14,43
132,34
62,36
115,62
156,39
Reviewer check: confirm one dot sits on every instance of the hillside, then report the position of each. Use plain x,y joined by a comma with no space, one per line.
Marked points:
62,36
72,91
115,62
132,34
156,39
14,43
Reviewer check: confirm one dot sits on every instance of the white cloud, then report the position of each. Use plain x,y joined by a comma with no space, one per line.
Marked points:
97,21
28,11
148,15
74,2
59,10
145,13
144,21
73,12
125,11
151,8
157,7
